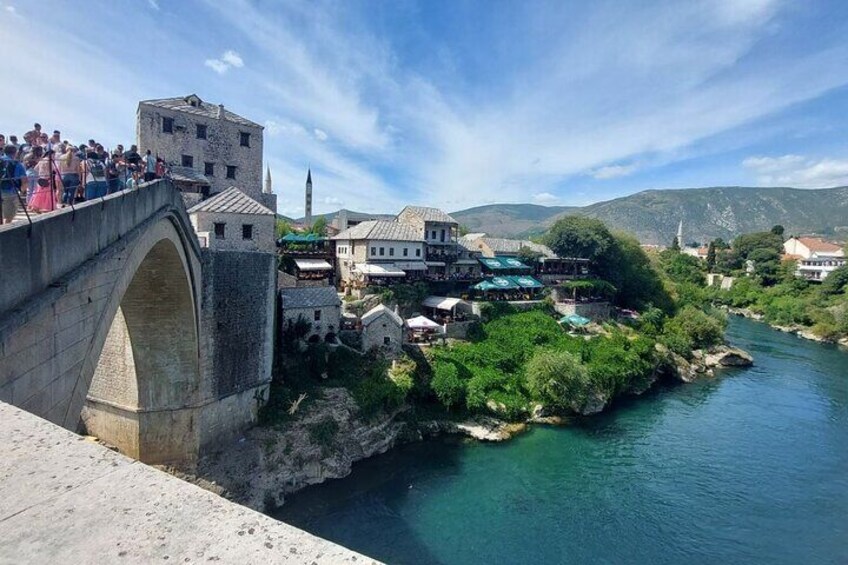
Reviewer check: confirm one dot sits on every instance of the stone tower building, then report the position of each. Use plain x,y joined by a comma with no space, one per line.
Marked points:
202,138
308,207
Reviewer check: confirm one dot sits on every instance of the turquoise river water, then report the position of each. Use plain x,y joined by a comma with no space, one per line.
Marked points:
750,467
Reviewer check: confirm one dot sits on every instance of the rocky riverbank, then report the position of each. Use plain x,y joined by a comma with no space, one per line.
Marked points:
800,331
325,438
322,442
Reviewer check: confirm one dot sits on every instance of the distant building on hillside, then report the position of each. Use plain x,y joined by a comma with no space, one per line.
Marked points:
697,252
345,219
203,142
816,258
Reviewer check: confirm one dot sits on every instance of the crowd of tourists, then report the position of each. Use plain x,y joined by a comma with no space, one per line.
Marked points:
43,172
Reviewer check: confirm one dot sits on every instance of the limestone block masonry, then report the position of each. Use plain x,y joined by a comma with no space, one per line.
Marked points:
67,500
221,145
237,322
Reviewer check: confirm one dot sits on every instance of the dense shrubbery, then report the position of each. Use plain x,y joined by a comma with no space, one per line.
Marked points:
785,300
524,358
691,329
378,391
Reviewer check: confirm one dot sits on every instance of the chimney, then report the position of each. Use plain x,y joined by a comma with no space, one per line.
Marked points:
220,111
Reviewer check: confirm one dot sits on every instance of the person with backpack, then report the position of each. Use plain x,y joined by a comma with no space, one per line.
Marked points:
111,164
11,174
93,175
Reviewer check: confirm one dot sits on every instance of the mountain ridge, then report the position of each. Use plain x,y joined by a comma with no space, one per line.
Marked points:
653,215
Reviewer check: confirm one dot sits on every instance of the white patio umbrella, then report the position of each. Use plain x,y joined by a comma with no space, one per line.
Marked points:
422,323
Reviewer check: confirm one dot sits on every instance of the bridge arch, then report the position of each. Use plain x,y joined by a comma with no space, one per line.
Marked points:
142,380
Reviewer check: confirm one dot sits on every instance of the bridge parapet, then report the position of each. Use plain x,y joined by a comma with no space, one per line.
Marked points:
37,255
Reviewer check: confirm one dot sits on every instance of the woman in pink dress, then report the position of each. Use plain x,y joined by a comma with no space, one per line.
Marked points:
45,198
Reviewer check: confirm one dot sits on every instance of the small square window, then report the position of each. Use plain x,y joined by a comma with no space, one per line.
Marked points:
201,131
373,251
387,340
219,230
231,171
167,125
317,315
244,139
382,251
418,252
247,231
188,161
405,252
209,169
391,251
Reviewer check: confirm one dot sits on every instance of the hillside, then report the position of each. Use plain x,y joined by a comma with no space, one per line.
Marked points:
653,215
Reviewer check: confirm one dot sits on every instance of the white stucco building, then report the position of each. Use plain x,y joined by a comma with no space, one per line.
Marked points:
815,257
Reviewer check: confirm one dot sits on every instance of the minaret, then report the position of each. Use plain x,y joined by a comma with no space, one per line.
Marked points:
308,208
268,181
680,234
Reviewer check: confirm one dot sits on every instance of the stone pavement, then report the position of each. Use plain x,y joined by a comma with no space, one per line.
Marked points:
64,499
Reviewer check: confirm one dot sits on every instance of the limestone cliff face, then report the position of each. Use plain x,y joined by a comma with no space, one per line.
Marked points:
322,443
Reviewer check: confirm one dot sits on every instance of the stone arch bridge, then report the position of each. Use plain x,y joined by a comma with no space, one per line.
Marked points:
111,322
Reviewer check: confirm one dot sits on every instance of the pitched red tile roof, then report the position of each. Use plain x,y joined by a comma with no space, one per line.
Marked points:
819,245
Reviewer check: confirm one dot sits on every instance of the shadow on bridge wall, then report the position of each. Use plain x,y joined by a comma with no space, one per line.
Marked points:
101,319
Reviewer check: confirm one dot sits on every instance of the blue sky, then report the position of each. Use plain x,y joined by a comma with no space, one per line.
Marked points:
457,104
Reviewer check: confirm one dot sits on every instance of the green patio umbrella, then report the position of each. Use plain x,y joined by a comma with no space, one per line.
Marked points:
574,320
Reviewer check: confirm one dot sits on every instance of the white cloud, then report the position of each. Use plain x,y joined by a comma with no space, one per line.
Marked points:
153,4
332,201
320,134
217,65
545,198
232,58
613,171
798,171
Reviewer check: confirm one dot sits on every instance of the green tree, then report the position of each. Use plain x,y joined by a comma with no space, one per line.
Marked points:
675,245
766,264
283,227
836,282
319,226
700,329
777,230
528,256
745,244
638,284
446,384
711,257
682,268
557,379
578,236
